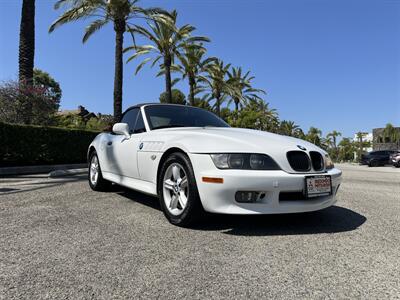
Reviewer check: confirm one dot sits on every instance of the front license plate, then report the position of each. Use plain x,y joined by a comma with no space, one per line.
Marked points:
320,185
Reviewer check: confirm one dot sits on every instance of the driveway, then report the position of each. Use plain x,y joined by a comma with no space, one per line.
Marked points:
58,239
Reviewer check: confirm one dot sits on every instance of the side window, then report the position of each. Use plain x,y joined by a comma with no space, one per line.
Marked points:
139,127
130,118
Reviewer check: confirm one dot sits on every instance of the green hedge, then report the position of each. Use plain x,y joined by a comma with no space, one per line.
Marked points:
33,145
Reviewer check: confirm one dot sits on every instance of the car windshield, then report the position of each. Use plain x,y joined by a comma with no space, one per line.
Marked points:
168,116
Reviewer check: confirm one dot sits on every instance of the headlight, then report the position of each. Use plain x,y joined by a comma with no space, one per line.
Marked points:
244,161
328,162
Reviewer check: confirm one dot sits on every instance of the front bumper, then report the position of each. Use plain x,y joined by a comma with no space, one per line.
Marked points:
220,198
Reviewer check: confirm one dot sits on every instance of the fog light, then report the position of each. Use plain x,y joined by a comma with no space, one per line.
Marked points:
246,197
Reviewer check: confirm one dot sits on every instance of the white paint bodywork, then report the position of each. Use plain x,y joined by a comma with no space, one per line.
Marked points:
133,162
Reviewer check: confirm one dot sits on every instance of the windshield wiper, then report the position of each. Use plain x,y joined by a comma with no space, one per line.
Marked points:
168,126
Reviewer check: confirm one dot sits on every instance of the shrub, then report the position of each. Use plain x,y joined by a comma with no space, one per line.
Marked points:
25,104
31,145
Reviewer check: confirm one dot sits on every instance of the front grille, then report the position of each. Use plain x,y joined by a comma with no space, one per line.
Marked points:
317,160
299,161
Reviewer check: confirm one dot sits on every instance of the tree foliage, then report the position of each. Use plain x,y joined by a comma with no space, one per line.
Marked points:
51,87
101,12
167,42
177,97
16,97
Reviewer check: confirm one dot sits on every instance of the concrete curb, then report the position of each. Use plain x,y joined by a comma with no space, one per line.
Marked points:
61,173
40,169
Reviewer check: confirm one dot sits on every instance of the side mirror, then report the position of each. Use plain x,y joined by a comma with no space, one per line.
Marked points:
121,129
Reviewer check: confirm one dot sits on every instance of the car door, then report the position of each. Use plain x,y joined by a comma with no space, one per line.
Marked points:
126,148
381,156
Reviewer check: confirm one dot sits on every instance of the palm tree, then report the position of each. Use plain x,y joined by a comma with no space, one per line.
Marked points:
167,42
27,42
118,12
26,55
192,64
314,136
242,90
361,143
270,115
289,128
391,134
346,150
333,135
217,84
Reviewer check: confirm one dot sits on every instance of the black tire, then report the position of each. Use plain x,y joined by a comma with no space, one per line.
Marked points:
373,163
101,185
193,209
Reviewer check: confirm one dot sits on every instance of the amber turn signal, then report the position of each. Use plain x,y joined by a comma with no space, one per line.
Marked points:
213,180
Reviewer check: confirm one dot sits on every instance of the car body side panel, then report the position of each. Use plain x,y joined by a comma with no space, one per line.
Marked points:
148,165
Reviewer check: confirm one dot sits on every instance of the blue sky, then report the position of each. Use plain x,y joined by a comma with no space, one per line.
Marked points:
329,64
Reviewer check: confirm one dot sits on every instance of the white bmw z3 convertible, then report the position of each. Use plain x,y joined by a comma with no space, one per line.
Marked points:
193,161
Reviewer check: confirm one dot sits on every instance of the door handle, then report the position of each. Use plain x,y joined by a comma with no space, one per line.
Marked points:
109,143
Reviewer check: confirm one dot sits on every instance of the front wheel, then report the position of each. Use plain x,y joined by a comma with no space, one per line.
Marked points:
95,177
177,189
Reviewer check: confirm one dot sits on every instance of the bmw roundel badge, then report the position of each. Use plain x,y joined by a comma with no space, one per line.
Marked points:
301,148
140,146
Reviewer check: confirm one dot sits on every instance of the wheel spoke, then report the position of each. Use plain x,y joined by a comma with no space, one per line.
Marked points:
182,199
183,184
174,202
176,173
169,184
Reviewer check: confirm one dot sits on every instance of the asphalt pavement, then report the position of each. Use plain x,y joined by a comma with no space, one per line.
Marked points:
60,240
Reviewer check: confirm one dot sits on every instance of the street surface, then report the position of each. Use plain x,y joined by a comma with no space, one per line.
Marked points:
59,239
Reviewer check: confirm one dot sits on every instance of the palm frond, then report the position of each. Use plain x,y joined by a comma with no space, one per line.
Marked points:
92,28
175,81
140,66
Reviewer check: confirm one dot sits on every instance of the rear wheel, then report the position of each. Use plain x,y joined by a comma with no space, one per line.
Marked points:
95,177
373,163
177,189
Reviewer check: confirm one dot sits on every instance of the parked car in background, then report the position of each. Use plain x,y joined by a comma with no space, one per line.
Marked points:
377,158
395,159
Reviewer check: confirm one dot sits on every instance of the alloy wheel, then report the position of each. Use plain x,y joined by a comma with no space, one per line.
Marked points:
175,189
94,170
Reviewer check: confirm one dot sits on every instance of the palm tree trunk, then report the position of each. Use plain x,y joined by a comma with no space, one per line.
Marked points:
26,56
236,105
192,86
168,84
119,28
27,42
218,105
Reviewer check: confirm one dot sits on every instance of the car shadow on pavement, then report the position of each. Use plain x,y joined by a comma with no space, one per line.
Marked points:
330,220
138,197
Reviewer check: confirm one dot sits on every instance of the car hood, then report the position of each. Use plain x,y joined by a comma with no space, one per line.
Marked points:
232,140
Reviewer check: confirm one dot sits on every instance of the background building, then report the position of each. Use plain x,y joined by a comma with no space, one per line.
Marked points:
384,139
